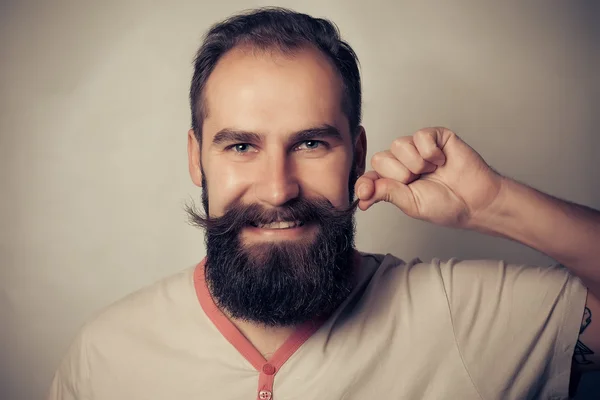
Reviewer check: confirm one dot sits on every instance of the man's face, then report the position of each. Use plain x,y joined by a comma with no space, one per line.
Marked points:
275,96
275,138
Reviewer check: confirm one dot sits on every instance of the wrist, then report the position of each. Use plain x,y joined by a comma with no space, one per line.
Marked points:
499,213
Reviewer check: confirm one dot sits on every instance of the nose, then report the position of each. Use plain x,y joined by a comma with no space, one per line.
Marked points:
277,184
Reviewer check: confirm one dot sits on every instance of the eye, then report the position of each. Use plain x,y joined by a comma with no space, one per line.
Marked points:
241,148
310,145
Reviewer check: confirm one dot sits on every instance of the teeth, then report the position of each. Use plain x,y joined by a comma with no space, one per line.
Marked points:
280,225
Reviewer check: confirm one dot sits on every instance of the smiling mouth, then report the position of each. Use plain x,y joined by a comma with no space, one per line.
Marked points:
279,225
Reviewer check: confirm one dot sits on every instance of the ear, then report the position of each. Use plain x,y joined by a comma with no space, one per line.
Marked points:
360,151
193,148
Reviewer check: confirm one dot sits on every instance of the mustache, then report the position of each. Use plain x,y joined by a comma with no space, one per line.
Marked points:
239,215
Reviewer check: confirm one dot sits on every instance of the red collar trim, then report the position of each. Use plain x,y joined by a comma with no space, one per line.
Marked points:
237,339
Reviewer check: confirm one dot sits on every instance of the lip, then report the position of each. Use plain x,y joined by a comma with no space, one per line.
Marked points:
298,232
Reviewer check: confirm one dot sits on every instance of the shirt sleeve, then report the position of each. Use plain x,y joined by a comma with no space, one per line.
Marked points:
516,326
71,379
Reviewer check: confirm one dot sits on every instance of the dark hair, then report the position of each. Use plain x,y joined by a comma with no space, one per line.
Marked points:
284,30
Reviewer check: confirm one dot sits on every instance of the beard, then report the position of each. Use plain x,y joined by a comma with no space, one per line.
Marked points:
281,283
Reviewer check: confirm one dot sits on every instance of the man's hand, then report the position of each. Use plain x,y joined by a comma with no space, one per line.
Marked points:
433,176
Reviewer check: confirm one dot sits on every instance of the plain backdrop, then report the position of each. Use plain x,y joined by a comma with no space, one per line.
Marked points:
94,116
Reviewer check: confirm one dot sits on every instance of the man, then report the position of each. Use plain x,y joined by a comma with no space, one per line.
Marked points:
284,307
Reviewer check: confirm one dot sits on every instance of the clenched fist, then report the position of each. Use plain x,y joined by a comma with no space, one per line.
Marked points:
433,176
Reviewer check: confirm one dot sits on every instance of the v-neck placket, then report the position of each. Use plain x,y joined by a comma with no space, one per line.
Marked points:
267,369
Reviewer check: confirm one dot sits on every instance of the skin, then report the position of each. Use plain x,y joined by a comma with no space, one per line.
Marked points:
431,175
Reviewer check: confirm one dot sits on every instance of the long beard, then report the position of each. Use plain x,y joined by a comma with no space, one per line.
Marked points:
280,283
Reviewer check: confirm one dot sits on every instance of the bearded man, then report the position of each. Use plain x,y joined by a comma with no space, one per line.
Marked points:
284,306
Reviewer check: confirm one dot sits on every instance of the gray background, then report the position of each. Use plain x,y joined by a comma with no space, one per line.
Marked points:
94,115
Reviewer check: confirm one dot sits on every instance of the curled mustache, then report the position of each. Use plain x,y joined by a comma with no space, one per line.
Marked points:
238,215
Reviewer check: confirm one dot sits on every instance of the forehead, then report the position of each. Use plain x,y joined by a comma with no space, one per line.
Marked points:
269,92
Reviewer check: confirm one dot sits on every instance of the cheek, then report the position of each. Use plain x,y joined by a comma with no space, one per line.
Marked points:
328,179
226,184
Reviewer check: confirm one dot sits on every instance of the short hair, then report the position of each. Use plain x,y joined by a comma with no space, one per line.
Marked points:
283,30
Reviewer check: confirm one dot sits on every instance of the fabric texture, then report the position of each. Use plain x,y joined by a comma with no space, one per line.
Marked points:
440,330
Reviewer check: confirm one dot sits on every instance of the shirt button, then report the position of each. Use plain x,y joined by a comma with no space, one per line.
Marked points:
268,369
264,395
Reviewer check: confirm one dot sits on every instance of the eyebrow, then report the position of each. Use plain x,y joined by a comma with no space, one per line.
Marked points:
239,136
232,135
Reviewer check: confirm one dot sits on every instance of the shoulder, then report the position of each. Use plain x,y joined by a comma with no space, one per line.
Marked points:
121,330
145,312
470,280
413,283
388,268
467,285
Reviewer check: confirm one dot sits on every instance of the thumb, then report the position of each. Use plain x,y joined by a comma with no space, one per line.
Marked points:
390,191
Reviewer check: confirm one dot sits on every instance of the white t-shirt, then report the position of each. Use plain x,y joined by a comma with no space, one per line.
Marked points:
440,330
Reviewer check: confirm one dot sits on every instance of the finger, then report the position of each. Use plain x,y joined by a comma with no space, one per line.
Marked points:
391,191
428,142
406,152
388,166
365,185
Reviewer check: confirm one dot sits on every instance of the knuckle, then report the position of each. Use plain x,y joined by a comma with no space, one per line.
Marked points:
448,132
405,175
398,143
378,158
428,153
386,190
421,164
424,132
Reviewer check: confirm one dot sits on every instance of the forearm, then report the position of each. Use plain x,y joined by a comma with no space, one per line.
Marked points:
567,232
